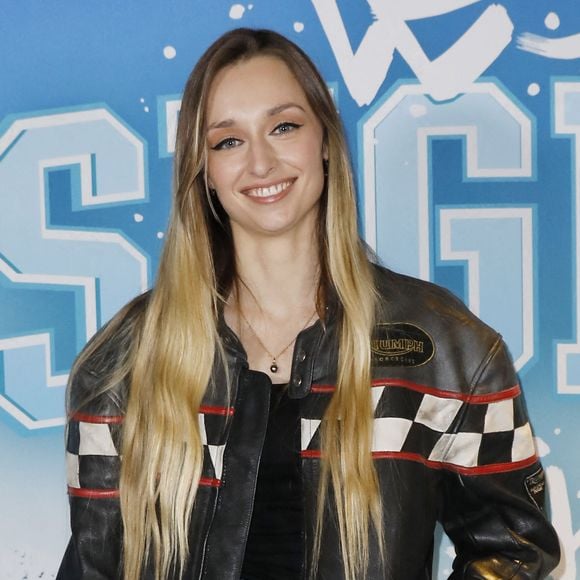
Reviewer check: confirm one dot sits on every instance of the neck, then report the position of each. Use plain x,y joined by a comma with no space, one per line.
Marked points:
277,275
274,298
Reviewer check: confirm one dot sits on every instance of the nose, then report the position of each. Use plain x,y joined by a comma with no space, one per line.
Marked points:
261,157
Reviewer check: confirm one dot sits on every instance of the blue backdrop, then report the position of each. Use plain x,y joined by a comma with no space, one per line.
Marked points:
463,118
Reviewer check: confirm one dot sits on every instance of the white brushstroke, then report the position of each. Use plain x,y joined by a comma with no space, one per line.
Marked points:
443,78
417,9
565,48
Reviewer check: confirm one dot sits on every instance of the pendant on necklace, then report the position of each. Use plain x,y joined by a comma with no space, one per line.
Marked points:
274,366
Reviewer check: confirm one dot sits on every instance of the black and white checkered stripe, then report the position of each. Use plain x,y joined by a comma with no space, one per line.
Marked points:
442,429
93,459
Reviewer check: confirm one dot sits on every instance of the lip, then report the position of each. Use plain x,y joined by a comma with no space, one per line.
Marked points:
259,193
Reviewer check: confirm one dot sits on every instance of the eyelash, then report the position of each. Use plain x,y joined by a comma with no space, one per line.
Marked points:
222,144
292,126
289,127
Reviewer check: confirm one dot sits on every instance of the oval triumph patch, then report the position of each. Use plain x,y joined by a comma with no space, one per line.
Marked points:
401,344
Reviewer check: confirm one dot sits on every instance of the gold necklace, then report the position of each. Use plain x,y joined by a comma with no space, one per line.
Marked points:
274,365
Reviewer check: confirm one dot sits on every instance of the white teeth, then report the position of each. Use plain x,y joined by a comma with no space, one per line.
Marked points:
268,191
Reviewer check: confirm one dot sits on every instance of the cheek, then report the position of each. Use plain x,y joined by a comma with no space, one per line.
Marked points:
218,173
315,164
307,156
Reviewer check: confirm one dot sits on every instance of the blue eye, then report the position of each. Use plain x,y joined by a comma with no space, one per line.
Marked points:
227,143
286,127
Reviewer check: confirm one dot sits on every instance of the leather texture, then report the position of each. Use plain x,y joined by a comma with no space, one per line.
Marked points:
452,444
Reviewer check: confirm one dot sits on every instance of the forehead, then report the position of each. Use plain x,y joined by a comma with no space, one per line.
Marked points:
252,85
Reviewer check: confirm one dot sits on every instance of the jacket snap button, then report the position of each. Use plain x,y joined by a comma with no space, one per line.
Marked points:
297,381
301,356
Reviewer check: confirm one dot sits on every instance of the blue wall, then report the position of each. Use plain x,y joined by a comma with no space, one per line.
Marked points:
463,118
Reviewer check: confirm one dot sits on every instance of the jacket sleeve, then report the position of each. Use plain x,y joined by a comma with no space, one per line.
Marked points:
93,465
494,484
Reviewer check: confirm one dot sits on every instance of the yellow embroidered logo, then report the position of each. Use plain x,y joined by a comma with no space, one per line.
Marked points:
401,344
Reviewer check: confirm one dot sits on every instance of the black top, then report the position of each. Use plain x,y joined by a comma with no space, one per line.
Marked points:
274,550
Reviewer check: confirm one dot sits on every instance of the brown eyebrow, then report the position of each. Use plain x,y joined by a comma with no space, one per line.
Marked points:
278,109
221,124
269,113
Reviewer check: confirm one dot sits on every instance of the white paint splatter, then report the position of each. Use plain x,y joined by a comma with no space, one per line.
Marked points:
236,11
450,551
552,21
578,494
542,447
160,235
141,100
146,109
169,52
533,89
299,26
557,431
250,6
418,110
138,217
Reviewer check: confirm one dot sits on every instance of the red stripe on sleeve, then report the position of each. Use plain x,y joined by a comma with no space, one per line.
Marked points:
214,410
210,482
509,393
93,493
86,418
86,493
476,470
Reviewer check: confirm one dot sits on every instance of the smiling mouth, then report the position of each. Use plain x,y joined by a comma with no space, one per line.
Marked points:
270,191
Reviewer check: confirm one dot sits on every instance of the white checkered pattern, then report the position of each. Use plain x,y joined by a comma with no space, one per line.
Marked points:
447,430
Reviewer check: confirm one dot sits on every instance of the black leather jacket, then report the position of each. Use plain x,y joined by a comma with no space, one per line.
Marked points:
452,444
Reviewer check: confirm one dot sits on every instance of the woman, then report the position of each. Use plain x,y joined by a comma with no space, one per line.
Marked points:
284,408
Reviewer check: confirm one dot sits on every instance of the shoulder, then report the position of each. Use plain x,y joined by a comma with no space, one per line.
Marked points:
404,296
461,350
97,381
401,289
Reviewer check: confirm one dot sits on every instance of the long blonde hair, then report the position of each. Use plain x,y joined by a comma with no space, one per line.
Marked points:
175,341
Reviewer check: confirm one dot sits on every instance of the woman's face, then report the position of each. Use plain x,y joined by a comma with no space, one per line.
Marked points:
265,149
